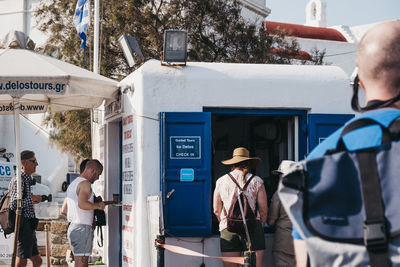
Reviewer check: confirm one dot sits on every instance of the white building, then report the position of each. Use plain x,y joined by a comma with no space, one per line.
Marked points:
175,126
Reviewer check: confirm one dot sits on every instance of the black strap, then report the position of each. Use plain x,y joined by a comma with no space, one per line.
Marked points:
373,104
100,243
375,230
394,129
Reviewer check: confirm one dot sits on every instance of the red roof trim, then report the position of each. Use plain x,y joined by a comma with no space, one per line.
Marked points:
305,31
302,55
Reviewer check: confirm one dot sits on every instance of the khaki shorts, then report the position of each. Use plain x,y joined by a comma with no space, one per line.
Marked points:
233,242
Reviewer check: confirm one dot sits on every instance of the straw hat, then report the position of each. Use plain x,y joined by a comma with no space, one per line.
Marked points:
241,154
283,167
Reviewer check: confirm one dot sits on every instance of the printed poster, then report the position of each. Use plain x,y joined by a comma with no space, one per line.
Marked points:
127,191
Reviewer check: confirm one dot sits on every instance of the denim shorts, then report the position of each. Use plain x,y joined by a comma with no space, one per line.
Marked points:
81,239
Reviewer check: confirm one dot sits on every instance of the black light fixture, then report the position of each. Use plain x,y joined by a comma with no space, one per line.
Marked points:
175,47
131,49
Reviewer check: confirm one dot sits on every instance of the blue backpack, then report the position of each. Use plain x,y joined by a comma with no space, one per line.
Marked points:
346,204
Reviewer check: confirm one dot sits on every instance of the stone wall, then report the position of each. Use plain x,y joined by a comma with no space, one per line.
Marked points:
59,243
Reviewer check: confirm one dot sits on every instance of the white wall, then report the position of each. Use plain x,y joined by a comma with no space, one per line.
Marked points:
339,54
14,17
254,11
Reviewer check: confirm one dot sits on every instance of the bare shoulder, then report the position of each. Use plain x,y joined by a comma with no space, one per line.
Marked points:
84,186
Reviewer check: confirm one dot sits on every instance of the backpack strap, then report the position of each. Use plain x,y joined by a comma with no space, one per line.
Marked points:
394,129
234,180
375,227
237,184
248,182
99,230
244,188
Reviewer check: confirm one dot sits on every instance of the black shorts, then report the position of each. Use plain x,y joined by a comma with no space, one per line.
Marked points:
232,242
27,242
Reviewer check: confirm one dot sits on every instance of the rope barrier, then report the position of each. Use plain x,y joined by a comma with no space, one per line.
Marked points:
188,252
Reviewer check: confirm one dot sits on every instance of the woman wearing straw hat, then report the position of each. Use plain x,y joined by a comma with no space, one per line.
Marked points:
232,244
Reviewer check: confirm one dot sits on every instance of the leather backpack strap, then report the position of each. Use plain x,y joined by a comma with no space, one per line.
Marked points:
237,184
11,186
248,182
244,189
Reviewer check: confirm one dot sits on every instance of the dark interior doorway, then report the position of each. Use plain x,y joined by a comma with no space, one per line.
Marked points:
270,137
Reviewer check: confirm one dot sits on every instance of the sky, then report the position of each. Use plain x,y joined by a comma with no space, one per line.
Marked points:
339,12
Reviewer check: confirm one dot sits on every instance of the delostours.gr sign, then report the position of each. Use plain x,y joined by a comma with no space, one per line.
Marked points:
14,87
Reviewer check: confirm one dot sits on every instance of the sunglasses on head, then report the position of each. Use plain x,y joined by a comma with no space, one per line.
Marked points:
373,104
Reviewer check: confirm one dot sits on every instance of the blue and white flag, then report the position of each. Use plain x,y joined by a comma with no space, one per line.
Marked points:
82,19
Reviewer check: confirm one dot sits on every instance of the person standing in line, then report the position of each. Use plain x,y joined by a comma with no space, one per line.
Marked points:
80,212
283,243
378,62
64,208
27,243
233,244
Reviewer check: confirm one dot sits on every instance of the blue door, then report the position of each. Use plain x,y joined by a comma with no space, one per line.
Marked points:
186,173
320,126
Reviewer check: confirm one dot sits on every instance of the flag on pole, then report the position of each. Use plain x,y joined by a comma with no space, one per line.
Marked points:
82,19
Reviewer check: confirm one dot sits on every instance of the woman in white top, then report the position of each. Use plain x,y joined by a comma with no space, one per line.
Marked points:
233,244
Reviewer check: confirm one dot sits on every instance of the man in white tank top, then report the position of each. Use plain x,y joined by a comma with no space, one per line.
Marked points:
80,210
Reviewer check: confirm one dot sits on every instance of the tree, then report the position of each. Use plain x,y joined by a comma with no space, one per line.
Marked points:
73,132
216,33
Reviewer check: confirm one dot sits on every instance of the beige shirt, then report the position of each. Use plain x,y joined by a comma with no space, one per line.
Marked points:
226,188
283,235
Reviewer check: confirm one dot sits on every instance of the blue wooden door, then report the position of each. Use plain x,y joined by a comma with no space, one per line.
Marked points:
320,126
186,173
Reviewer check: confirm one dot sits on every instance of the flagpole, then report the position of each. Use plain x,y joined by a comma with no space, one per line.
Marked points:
96,21
96,37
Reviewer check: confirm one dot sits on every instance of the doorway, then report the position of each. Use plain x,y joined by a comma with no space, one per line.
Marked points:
272,135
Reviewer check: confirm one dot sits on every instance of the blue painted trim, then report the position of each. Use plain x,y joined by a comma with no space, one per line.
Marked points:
162,163
257,111
315,120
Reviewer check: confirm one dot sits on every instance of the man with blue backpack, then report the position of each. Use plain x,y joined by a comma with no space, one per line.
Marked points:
343,200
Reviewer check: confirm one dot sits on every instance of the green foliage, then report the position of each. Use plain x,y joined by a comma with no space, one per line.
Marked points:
216,33
72,132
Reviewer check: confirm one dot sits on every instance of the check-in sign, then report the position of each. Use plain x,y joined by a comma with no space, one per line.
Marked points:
185,147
